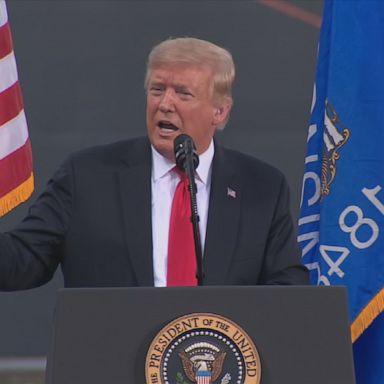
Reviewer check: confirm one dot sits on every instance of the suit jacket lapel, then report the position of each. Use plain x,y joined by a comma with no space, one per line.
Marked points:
223,219
135,189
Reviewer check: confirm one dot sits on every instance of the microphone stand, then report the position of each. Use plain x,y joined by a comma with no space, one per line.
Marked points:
190,171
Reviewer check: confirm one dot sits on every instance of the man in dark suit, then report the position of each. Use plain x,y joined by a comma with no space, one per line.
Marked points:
104,216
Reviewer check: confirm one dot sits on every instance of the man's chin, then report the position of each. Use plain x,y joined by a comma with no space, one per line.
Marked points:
165,148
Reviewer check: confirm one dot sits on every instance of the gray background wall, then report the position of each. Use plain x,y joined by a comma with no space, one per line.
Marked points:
81,66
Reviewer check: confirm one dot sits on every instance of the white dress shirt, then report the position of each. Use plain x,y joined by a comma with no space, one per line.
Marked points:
163,183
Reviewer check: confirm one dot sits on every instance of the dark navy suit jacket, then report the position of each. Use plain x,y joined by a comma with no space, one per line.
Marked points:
94,218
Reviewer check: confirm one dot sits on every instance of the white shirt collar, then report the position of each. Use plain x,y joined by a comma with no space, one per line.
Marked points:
161,165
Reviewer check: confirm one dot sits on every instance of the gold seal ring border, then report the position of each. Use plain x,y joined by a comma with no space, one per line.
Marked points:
155,353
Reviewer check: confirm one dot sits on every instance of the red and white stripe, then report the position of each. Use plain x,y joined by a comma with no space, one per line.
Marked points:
16,176
203,379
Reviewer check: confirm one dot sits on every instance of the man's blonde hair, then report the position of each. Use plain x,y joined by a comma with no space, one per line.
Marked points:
189,50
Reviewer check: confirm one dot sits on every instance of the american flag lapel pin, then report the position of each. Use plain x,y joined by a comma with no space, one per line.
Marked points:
231,193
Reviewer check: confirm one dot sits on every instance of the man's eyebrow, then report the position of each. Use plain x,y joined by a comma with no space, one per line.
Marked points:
182,87
156,82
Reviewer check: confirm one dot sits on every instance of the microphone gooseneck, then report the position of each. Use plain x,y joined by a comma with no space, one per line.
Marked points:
187,161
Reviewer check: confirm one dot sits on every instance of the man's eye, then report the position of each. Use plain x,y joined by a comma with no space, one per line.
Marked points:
184,93
156,90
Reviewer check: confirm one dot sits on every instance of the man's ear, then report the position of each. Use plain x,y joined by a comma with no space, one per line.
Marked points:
221,114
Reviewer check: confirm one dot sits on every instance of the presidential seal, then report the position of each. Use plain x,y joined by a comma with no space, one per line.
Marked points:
202,348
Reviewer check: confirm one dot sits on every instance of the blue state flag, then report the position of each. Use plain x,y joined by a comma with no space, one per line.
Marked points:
341,227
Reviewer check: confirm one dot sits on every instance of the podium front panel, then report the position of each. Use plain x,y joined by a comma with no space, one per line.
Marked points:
103,335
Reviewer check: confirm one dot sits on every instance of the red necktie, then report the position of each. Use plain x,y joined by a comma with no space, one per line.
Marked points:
181,246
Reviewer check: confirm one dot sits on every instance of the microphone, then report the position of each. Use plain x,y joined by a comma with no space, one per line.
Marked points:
185,152
187,161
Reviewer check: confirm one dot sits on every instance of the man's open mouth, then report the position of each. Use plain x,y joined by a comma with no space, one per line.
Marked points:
167,126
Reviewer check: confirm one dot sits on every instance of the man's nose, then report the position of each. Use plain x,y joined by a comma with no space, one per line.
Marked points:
167,102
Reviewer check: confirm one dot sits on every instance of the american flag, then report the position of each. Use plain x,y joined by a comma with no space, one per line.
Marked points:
16,175
231,193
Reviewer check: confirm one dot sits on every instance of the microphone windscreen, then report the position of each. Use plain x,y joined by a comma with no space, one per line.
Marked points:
184,148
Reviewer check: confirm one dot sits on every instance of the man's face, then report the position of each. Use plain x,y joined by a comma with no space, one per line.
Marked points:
179,100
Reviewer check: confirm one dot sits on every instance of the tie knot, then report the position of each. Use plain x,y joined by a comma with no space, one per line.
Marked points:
182,175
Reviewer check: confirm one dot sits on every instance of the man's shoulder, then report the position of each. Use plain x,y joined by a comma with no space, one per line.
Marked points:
251,166
118,148
123,151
